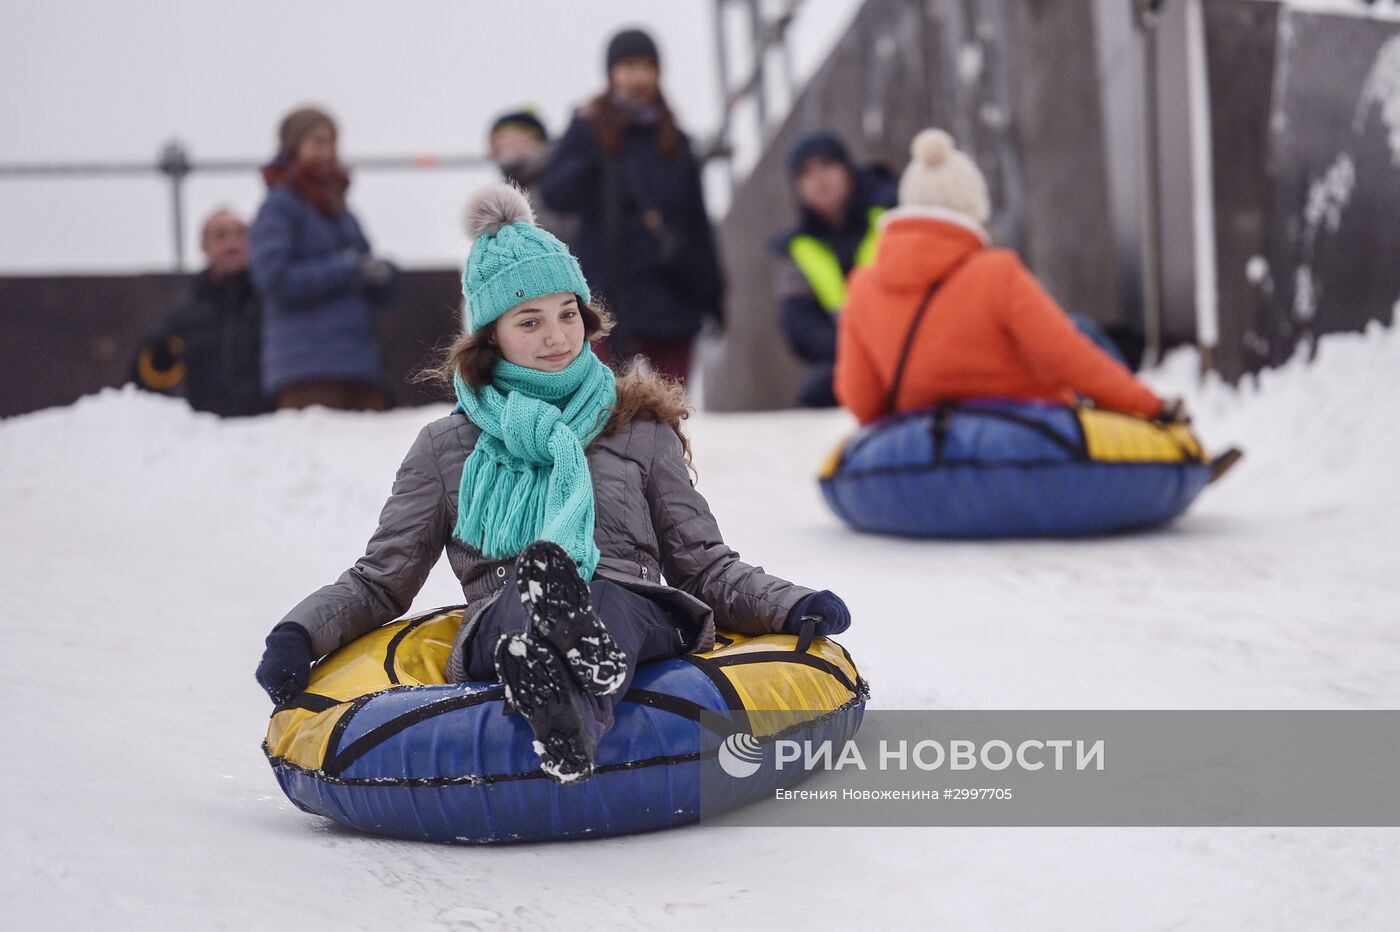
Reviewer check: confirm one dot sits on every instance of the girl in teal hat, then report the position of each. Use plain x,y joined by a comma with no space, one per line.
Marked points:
561,493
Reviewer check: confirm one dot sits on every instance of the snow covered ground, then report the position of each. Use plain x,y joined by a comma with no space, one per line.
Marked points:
146,551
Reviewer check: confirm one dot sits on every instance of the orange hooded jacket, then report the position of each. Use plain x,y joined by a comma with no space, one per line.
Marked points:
990,331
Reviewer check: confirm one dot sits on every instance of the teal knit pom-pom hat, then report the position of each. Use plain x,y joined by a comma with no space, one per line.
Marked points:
512,260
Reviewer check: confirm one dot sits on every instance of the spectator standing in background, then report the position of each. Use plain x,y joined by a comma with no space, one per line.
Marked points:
519,145
839,207
318,277
207,349
626,169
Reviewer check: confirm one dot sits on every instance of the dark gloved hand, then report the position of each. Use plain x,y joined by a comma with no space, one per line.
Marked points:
1173,412
373,273
286,663
159,364
831,613
165,354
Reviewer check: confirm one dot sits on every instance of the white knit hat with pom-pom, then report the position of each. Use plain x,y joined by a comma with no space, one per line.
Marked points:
512,260
940,176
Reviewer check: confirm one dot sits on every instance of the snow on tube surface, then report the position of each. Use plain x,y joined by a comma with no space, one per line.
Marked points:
1013,469
380,742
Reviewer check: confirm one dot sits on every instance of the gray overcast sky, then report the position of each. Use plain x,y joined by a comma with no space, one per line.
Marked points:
88,81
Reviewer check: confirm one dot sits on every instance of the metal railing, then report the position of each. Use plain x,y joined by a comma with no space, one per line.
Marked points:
768,25
767,33
176,163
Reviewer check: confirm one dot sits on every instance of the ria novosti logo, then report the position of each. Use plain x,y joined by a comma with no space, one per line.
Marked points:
740,755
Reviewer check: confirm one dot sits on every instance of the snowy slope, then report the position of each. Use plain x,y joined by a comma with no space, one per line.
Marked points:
147,550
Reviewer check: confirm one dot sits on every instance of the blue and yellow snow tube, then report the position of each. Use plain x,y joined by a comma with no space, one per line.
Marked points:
1011,469
380,742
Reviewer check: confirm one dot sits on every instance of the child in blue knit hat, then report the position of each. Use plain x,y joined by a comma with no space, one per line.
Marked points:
562,495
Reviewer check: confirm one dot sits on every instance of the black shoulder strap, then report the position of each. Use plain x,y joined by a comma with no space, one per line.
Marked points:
898,382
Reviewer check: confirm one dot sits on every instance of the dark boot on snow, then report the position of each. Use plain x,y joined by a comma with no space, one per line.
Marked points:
539,687
561,613
1224,463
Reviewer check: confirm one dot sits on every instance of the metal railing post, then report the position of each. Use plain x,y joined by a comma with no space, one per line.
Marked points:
760,83
175,164
1148,12
721,139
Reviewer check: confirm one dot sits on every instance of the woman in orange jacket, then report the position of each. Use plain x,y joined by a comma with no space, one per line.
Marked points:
988,330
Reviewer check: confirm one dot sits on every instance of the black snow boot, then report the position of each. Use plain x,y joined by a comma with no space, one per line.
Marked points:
561,613
1224,463
539,687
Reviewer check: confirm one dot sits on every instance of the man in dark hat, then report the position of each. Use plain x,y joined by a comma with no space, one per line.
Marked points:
839,207
517,141
519,145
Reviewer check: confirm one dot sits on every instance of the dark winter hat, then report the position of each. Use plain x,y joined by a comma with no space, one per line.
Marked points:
520,119
631,43
298,124
816,144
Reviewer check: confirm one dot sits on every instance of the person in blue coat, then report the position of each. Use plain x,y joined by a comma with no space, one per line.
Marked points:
839,207
318,277
627,170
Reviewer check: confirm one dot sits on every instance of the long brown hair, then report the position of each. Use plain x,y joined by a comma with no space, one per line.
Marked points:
474,357
609,122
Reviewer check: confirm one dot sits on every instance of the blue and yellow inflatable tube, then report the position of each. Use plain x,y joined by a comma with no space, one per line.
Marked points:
380,742
1009,469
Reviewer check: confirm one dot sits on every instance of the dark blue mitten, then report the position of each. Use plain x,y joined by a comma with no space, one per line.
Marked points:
826,607
286,663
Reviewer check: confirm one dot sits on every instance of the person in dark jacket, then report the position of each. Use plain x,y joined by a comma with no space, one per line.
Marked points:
562,494
839,206
627,170
207,350
519,145
318,277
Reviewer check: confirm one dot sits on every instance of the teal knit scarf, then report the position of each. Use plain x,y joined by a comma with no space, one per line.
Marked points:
528,477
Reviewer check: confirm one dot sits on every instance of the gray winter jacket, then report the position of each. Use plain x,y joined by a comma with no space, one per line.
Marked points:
654,530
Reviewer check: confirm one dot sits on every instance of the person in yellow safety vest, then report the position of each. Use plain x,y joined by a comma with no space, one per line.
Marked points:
839,207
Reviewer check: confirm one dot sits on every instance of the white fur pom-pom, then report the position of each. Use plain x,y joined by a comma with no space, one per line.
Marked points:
931,147
496,206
